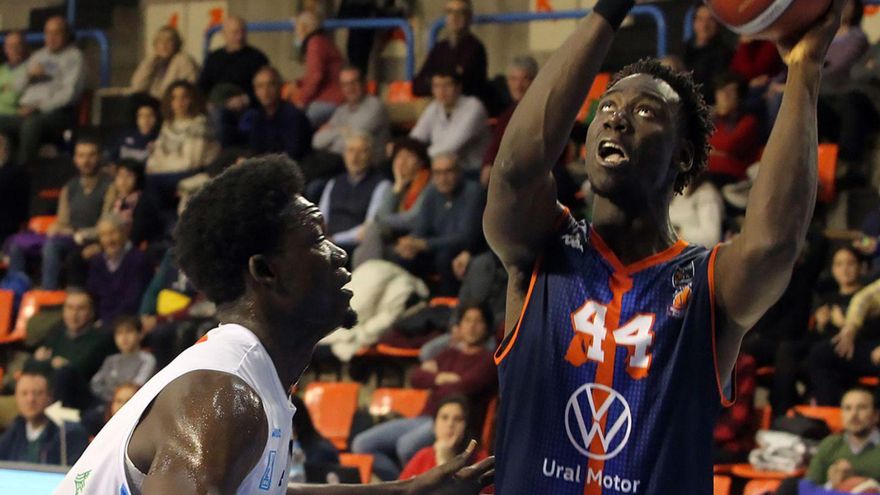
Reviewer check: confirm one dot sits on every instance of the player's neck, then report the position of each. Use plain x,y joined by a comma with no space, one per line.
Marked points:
635,233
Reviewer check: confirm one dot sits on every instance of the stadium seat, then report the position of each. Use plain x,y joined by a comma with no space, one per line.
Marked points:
363,462
444,301
761,487
7,297
397,352
746,471
766,415
827,172
400,92
51,194
488,436
31,303
765,371
40,224
829,414
722,485
332,407
600,84
722,468
869,381
408,402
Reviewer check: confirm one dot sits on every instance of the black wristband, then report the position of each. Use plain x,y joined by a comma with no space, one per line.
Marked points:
614,11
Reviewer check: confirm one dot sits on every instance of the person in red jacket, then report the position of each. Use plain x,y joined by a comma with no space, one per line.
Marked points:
736,140
319,90
464,368
451,432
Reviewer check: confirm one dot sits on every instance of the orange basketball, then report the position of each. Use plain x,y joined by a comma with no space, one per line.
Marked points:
768,19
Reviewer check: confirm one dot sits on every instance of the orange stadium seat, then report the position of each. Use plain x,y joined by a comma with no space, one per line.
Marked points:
407,402
869,381
761,487
7,298
363,462
40,224
31,303
332,407
488,436
829,414
600,84
400,92
444,301
722,485
827,172
397,352
746,471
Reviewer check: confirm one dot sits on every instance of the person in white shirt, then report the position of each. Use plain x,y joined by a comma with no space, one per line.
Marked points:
218,418
698,214
454,124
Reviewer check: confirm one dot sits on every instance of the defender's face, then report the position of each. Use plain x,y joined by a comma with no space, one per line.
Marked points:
633,139
311,273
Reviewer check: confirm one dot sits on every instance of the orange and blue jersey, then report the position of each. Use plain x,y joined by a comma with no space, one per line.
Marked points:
609,382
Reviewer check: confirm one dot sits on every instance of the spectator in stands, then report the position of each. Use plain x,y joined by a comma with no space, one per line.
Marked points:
737,137
829,312
706,54
697,214
351,199
452,432
461,53
14,192
454,123
448,223
121,395
855,452
276,126
317,449
167,64
735,429
755,61
95,419
319,89
141,217
467,368
132,365
119,275
234,64
848,46
137,143
360,111
401,204
852,353
13,73
520,73
55,81
32,437
73,351
82,201
186,143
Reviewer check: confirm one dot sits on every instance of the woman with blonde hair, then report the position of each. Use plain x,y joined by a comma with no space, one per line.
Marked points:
164,66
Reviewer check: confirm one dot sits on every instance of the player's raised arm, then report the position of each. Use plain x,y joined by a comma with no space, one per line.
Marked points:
753,270
522,207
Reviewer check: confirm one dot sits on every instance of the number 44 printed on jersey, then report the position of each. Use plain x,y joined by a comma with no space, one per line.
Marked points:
591,333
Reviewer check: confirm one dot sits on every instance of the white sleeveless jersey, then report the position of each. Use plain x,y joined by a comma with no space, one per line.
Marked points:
230,349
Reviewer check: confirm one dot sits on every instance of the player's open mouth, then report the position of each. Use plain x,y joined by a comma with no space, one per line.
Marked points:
611,154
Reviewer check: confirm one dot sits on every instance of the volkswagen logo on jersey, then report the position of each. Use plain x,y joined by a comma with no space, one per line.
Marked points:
588,407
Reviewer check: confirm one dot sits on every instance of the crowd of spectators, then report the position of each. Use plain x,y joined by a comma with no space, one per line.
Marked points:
407,195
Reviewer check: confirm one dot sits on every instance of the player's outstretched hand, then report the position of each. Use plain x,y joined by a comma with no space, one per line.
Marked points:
455,477
812,45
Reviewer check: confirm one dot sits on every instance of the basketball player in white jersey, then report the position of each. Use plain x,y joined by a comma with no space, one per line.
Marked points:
218,418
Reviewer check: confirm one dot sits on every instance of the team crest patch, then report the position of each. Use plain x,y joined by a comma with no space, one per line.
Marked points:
682,279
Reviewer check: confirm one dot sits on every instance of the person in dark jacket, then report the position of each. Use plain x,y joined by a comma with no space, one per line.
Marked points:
276,126
32,437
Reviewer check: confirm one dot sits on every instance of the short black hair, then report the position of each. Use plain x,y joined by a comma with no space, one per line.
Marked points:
127,321
448,72
135,168
484,312
865,390
698,125
88,138
236,215
727,77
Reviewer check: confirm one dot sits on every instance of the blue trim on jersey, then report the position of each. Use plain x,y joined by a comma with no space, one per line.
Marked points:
266,481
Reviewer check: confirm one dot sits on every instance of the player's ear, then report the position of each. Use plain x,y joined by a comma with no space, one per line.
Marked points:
261,270
684,156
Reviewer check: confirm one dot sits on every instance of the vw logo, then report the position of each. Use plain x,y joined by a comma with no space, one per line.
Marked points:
586,408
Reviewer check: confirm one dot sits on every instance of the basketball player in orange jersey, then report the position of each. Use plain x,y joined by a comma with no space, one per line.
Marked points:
621,338
217,420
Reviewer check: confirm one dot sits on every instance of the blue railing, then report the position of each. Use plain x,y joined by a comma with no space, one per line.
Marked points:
651,11
93,34
330,24
689,18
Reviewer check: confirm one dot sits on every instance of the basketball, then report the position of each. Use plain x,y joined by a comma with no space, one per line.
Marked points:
768,19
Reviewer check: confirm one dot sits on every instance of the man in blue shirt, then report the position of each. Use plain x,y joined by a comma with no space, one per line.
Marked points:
276,126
